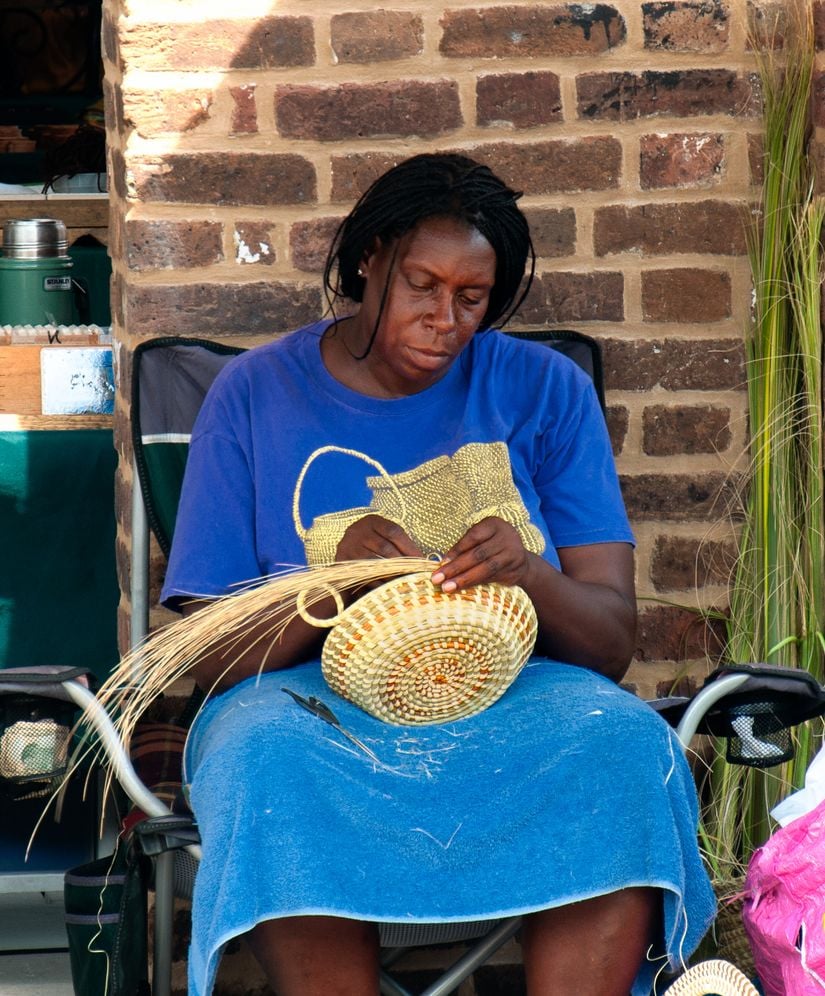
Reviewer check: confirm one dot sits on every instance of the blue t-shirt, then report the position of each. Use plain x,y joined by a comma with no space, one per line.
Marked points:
284,458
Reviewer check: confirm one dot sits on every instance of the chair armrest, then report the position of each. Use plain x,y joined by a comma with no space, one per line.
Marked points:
46,680
790,696
96,716
158,834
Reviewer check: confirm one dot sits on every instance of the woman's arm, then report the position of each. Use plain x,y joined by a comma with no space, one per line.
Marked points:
586,611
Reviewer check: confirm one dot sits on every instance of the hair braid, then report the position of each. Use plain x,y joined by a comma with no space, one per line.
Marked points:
436,185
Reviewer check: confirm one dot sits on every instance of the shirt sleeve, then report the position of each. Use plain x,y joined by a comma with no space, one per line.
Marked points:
213,547
576,476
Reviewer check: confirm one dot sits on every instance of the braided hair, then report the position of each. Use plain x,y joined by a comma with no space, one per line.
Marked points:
432,185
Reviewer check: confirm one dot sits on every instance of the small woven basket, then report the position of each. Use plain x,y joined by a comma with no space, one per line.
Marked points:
413,655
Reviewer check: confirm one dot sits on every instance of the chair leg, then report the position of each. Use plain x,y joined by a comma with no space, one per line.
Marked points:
389,987
164,909
474,958
461,969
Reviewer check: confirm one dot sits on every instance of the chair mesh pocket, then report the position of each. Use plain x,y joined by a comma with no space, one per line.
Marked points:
758,737
34,744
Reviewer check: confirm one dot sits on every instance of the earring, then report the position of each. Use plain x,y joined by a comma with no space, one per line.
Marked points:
360,272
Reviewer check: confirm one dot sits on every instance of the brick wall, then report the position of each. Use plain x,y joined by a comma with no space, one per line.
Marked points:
239,136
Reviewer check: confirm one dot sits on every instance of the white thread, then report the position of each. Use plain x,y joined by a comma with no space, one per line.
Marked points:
440,843
672,759
682,962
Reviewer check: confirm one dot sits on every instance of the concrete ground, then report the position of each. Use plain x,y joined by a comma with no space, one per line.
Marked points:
35,973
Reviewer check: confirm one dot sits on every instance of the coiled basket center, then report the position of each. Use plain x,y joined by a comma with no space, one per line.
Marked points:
412,655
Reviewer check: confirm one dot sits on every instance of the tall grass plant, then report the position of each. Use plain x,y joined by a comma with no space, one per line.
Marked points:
777,595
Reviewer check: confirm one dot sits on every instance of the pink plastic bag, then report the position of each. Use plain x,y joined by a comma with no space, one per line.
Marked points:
784,907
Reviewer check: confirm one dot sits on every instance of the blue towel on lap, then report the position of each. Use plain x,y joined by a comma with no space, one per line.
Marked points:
566,788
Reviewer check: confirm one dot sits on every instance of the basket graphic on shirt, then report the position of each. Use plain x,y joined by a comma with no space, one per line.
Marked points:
435,503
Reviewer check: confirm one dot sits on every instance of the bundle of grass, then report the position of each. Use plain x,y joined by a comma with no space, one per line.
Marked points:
266,605
777,597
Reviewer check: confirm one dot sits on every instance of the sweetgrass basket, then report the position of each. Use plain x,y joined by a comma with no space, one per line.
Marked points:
413,655
713,978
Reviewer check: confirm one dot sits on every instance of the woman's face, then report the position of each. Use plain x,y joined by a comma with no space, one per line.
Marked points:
439,288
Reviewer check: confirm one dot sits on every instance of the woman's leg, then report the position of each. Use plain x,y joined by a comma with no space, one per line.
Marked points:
317,955
591,948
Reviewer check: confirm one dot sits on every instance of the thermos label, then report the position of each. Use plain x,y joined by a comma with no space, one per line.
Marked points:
57,283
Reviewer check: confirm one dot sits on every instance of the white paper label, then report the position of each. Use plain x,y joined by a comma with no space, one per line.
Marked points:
77,381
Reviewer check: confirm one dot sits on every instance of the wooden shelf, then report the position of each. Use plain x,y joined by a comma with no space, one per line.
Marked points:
77,386
14,423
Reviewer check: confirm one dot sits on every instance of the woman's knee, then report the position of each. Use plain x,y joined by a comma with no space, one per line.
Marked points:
324,955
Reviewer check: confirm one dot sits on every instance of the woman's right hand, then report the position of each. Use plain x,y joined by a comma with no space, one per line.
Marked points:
373,538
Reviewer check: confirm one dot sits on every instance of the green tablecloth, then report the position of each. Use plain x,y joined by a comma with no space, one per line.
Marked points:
58,581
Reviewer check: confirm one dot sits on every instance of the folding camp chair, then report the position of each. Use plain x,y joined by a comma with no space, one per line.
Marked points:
170,378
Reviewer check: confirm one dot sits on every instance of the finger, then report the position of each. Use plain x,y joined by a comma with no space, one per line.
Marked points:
476,566
396,541
481,532
375,537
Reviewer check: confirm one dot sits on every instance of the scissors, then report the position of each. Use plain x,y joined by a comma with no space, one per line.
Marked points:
323,711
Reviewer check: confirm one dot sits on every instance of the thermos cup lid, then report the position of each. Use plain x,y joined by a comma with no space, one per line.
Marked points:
34,238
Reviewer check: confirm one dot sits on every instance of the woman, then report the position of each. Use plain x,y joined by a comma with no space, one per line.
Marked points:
409,428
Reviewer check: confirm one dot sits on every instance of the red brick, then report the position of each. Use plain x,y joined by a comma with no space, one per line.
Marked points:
668,431
562,298
264,43
618,418
244,111
562,166
678,497
376,36
113,107
309,242
352,174
767,23
535,168
116,298
673,364
213,309
553,231
117,235
223,178
819,25
818,88
163,245
153,112
695,26
530,32
667,632
686,295
683,685
395,109
756,156
626,96
109,47
712,227
117,171
522,100
272,42
680,160
253,243
682,563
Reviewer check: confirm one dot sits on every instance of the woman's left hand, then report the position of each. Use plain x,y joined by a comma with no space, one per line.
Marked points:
491,550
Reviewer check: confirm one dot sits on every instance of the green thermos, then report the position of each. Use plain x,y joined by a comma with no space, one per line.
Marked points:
36,283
